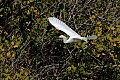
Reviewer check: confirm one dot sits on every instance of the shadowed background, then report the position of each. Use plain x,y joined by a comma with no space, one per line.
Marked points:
29,49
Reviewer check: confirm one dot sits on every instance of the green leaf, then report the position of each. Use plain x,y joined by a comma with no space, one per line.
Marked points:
69,68
73,67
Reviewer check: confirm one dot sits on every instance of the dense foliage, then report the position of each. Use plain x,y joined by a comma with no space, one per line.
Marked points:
28,50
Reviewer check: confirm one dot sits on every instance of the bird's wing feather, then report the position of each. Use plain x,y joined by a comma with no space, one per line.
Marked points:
92,37
60,25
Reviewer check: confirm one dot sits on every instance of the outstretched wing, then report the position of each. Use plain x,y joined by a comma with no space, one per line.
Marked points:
60,25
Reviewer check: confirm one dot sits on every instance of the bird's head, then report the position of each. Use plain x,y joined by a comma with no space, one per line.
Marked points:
62,36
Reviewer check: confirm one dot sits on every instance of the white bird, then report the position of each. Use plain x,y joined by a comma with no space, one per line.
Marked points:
73,36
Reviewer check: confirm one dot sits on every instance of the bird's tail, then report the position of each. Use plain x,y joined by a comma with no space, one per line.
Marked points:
92,37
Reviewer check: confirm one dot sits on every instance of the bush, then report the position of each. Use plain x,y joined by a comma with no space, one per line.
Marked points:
29,51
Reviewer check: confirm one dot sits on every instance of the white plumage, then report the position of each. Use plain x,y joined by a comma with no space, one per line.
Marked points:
74,37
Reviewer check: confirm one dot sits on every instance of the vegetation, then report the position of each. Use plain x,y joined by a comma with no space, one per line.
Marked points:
28,51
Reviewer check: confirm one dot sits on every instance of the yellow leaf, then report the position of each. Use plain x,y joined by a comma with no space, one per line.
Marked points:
7,78
8,54
1,57
18,42
115,56
115,60
5,33
100,28
6,70
12,43
13,55
112,56
1,47
116,39
96,14
118,26
98,55
99,34
118,42
114,44
1,15
27,78
31,0
35,11
90,18
32,7
15,46
103,53
110,38
112,28
93,42
13,37
98,22
28,12
94,10
93,16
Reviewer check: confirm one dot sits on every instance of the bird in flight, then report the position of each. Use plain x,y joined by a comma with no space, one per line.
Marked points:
73,36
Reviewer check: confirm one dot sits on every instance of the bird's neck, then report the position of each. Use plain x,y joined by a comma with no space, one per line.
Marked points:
64,39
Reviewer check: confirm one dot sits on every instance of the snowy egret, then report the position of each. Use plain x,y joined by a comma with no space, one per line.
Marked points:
73,36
